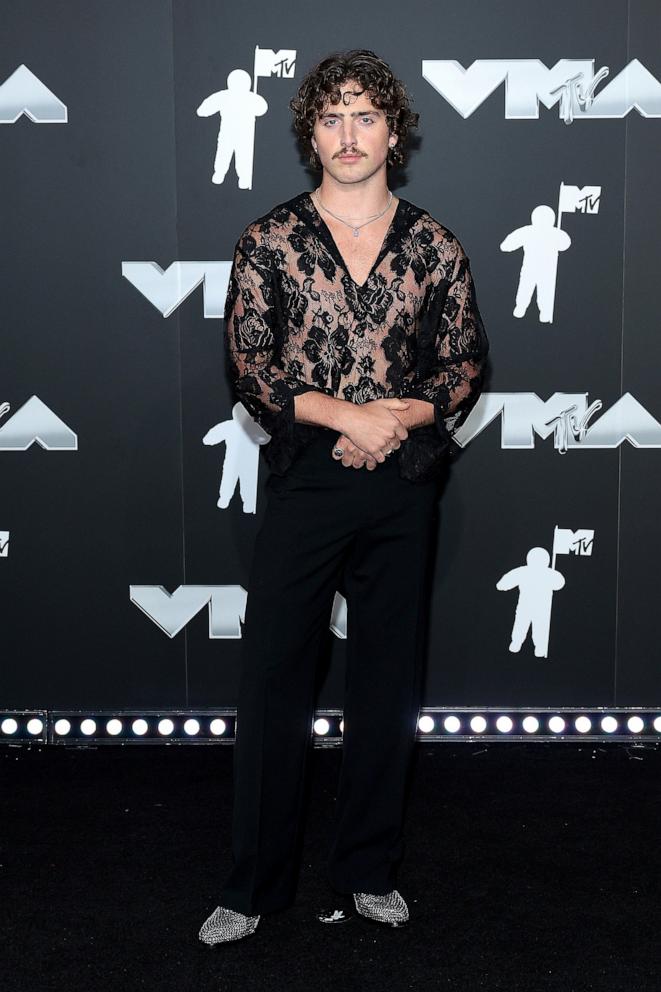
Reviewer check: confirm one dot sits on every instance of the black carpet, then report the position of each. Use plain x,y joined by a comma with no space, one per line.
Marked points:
528,867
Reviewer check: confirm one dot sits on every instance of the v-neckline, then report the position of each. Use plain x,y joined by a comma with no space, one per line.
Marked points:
335,251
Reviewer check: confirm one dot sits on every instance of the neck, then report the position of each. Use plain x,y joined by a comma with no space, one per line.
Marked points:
354,200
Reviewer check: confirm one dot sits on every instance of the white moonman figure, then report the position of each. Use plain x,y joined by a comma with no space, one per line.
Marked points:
536,582
238,107
242,437
541,242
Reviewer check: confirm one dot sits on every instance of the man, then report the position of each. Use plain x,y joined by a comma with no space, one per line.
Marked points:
355,340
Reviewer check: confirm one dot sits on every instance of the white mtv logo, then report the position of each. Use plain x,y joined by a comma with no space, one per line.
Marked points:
166,289
23,93
4,543
566,416
570,82
226,604
271,63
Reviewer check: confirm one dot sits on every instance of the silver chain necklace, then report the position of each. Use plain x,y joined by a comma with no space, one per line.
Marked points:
355,228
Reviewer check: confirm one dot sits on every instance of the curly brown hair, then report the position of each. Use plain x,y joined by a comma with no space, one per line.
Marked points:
321,86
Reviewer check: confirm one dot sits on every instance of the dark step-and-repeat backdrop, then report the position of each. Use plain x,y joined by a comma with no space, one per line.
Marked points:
138,141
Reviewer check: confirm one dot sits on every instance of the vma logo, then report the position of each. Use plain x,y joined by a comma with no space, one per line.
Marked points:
172,611
23,93
226,605
570,83
35,423
567,417
166,289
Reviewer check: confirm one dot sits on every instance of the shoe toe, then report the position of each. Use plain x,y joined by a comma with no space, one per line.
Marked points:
225,925
390,908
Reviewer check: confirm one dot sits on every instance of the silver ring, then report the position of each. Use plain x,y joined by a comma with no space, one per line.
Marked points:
389,451
338,452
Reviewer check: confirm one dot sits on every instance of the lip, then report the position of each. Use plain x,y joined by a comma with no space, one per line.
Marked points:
349,158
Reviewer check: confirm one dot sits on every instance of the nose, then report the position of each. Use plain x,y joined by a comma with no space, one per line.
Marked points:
347,139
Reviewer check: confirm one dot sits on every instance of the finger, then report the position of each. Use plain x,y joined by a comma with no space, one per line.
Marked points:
399,430
345,445
358,455
339,443
365,458
350,453
389,447
361,458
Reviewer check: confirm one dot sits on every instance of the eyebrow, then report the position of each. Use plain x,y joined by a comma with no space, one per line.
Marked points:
354,113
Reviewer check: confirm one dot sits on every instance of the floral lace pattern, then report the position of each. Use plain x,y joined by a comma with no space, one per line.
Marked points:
296,321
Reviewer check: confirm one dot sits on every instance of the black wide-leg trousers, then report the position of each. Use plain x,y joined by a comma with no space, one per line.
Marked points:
326,527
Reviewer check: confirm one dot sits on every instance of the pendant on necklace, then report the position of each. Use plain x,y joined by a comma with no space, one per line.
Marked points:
356,232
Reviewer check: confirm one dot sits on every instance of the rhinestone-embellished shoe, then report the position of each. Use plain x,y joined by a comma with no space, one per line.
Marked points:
390,909
226,924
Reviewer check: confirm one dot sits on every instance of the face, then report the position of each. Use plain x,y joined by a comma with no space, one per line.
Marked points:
351,137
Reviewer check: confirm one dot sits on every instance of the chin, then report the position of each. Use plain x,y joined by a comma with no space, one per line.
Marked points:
351,175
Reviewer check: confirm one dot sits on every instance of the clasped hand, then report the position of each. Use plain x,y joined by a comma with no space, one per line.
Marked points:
371,430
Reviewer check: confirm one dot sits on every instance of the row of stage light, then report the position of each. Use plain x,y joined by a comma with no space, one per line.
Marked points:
219,726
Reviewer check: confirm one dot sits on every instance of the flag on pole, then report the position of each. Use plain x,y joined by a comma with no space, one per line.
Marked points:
572,542
584,199
269,63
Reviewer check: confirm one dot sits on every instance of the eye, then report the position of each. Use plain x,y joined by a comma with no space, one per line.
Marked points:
369,120
329,120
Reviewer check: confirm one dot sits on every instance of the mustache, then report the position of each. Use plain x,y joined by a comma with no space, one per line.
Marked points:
344,151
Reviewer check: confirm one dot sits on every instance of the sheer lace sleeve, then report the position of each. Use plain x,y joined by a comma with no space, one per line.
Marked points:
253,337
452,350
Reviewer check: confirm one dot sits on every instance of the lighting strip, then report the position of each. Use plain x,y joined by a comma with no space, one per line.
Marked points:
68,727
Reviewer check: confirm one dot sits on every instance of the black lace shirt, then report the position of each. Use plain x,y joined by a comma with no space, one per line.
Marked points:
295,320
